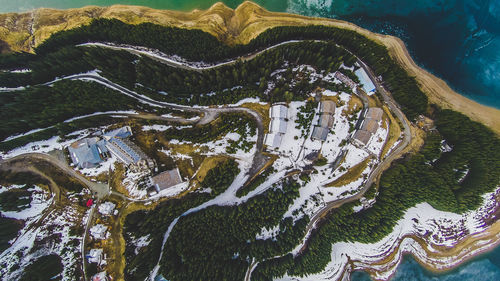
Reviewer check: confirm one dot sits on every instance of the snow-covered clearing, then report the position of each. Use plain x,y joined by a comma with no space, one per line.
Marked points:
437,228
40,200
54,235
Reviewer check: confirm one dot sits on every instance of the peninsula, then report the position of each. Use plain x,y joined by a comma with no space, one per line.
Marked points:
142,144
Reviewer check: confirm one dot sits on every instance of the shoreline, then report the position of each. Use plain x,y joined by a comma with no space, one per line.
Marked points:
24,31
245,23
438,259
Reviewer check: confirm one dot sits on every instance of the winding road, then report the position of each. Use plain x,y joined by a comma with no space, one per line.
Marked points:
210,113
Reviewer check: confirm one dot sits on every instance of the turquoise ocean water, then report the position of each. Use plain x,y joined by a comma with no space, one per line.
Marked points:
457,40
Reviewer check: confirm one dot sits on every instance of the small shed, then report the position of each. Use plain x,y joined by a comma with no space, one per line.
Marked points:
106,208
99,231
95,256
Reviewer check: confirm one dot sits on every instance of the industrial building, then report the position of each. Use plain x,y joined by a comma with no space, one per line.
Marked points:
369,125
89,152
325,121
366,82
278,125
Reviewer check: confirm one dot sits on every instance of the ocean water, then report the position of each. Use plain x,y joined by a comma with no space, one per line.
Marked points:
484,268
457,40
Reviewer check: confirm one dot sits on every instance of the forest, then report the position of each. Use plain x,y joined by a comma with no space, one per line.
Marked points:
9,228
43,106
196,45
155,222
429,176
217,243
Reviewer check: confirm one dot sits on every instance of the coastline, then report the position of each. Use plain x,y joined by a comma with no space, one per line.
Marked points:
24,31
245,23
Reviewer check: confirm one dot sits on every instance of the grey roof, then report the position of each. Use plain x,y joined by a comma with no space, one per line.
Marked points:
167,179
374,113
325,121
278,111
87,152
320,133
370,125
123,132
273,140
278,126
327,107
362,136
125,150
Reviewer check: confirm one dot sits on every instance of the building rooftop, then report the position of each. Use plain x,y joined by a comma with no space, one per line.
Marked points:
368,85
278,111
87,152
374,113
362,136
167,179
278,126
95,256
273,140
327,107
370,125
106,208
98,231
320,133
123,132
326,121
125,151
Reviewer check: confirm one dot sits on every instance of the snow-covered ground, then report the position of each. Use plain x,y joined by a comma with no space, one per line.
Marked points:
437,228
40,200
54,235
158,128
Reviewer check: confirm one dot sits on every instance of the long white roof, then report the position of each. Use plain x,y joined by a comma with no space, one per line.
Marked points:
273,140
278,126
278,111
368,86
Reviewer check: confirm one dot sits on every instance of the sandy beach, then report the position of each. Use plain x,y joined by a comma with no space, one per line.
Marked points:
24,31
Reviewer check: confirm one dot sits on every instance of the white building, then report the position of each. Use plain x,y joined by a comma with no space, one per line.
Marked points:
95,256
273,140
99,231
277,126
365,80
106,208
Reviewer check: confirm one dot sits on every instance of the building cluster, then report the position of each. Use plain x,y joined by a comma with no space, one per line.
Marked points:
368,126
89,152
325,121
277,127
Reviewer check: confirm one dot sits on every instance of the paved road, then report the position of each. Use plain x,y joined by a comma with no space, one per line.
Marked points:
209,113
212,113
374,175
100,189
